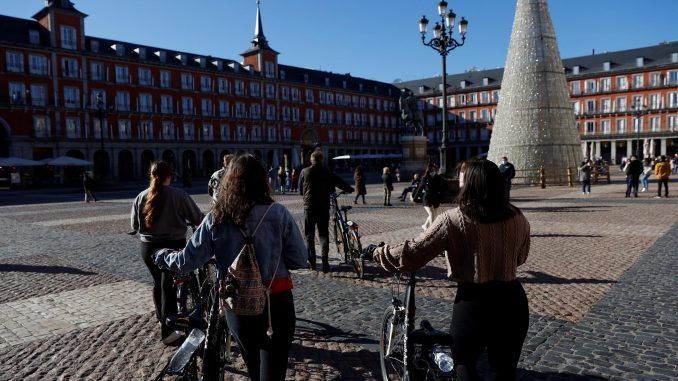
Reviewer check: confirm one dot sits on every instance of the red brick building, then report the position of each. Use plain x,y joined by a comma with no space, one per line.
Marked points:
59,86
604,89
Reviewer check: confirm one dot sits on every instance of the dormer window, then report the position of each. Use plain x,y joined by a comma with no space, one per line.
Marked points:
162,55
327,81
462,84
486,81
607,65
360,87
422,89
119,49
343,83
141,52
282,74
68,37
305,78
640,61
576,69
94,46
34,36
674,57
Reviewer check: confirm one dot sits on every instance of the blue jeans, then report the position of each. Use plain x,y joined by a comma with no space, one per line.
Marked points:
586,185
645,181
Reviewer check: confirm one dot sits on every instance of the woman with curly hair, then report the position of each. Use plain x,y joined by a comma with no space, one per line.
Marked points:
243,203
483,240
160,215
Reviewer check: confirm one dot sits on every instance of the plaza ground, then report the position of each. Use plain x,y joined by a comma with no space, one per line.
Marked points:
75,297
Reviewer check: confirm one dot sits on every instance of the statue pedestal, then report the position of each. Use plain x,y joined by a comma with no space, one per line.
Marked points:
414,156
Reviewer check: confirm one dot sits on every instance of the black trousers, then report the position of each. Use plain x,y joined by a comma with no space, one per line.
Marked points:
632,186
492,316
320,218
164,294
266,358
666,187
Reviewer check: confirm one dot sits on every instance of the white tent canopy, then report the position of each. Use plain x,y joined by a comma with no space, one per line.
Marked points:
18,162
369,156
67,161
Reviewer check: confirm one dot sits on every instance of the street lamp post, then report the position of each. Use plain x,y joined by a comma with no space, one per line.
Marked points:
639,110
443,43
100,115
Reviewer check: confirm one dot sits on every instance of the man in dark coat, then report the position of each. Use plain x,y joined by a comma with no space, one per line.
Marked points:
316,183
508,172
633,171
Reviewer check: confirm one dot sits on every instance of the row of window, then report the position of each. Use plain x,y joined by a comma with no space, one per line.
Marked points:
620,125
39,65
483,116
620,104
206,131
592,86
483,97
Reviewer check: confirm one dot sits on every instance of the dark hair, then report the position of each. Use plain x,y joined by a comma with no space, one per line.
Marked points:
159,172
358,169
317,156
244,185
482,197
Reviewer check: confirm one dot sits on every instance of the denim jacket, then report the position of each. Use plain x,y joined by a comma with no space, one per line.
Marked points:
277,236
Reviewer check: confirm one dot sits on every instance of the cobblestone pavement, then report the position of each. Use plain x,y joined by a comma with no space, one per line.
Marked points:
75,298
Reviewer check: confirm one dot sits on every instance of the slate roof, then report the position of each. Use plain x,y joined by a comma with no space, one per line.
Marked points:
16,30
591,65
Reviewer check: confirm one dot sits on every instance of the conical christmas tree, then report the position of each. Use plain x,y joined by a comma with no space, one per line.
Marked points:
535,124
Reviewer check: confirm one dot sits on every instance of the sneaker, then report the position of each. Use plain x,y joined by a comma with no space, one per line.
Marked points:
643,190
173,338
583,192
657,196
326,267
389,204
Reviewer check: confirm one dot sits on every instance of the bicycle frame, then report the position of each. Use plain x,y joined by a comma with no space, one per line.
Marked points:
410,314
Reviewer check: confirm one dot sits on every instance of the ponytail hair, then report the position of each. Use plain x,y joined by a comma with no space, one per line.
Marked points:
160,171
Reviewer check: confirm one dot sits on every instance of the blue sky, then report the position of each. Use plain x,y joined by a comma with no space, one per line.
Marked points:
375,39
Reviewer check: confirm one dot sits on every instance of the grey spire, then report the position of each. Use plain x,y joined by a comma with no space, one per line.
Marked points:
535,124
259,40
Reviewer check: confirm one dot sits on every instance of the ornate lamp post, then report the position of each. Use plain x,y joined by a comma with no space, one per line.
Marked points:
443,43
639,109
100,114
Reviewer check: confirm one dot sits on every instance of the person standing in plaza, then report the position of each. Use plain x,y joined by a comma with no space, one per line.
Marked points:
662,171
675,163
387,179
295,180
88,185
585,176
315,185
483,240
433,194
160,215
215,179
645,176
359,180
245,207
633,170
282,179
509,172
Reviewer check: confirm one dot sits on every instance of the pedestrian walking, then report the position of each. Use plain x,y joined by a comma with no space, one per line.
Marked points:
662,173
88,185
633,170
509,172
585,176
295,179
433,194
645,176
315,185
215,179
387,179
483,240
273,178
359,180
282,179
675,163
160,215
397,174
244,207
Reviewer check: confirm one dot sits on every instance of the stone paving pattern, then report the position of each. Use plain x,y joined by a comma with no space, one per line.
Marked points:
75,297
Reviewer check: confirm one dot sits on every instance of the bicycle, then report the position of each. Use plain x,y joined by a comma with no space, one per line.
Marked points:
406,353
346,236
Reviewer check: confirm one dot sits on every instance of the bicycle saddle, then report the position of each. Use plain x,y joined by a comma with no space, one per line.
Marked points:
426,335
345,208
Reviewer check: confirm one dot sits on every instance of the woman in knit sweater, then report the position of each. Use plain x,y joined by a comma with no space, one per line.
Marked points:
484,240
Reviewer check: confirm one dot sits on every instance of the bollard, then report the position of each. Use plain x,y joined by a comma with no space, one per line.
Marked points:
542,177
569,177
607,172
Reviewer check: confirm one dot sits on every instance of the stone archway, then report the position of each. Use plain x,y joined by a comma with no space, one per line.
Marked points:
147,158
207,163
102,163
5,133
125,165
169,158
72,175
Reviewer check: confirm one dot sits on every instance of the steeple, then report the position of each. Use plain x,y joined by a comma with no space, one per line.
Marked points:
259,40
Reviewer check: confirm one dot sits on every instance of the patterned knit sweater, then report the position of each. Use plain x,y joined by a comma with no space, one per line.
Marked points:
475,252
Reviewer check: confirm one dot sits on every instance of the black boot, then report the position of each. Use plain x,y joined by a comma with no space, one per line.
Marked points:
326,265
311,262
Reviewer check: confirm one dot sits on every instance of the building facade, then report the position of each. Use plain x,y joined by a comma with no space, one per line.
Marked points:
625,102
123,105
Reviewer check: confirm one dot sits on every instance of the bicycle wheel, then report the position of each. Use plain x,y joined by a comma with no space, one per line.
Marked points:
338,240
214,355
392,346
356,251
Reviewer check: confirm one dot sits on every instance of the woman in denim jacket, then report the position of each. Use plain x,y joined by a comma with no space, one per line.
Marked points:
244,199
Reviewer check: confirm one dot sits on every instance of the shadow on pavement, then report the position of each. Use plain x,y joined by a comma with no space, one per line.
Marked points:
542,277
530,375
43,269
554,235
565,209
322,332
